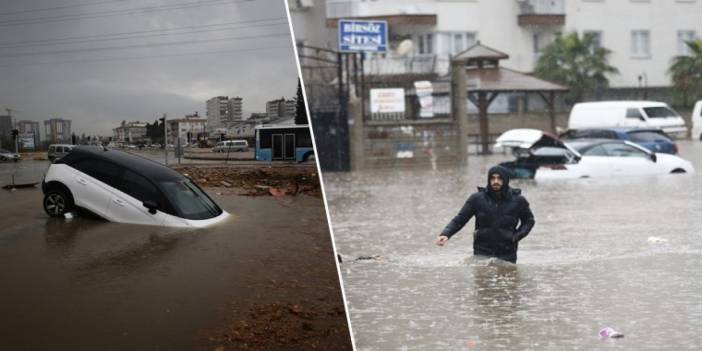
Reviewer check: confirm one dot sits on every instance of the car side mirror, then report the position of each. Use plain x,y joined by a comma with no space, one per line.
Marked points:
642,119
654,158
151,205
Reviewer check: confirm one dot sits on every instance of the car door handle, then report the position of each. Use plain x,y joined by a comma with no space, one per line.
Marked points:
118,202
82,181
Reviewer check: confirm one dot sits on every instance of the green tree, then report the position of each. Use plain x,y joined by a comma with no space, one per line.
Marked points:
300,110
576,63
686,71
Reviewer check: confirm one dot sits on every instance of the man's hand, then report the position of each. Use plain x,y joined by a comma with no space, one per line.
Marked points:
442,240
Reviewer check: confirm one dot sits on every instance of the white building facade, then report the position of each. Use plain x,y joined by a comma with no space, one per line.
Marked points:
130,132
186,129
217,112
643,35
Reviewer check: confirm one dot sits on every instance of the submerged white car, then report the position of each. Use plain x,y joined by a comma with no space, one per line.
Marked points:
541,155
126,188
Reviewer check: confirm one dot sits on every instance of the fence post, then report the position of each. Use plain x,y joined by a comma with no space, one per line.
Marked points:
458,108
355,109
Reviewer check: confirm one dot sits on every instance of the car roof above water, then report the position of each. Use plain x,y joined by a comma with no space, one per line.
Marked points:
141,165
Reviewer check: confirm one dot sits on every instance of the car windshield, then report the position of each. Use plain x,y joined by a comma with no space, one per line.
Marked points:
659,112
189,200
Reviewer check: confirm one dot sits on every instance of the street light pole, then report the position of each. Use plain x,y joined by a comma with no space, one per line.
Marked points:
165,139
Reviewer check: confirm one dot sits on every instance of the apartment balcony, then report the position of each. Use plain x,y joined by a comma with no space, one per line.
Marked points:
541,13
396,12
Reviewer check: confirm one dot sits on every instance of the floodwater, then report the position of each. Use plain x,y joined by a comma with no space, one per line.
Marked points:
621,253
88,284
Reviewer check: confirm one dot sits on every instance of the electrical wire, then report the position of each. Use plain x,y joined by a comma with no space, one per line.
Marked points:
135,35
112,13
185,42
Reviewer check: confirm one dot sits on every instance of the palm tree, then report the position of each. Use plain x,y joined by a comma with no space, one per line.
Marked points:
686,71
577,63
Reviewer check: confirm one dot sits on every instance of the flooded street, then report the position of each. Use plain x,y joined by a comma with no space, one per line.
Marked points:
621,253
86,284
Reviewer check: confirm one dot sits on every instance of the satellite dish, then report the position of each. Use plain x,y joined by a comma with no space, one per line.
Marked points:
405,47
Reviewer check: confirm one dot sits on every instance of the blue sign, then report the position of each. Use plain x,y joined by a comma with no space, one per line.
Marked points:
363,36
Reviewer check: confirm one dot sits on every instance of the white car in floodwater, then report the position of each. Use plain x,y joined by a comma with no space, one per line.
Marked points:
126,188
541,155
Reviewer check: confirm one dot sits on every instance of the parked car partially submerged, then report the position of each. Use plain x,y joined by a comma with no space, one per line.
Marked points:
126,188
542,155
653,139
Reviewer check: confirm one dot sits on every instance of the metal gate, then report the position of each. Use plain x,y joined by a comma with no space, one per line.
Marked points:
328,76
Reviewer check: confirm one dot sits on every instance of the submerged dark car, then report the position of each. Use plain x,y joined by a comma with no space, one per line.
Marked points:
653,139
126,188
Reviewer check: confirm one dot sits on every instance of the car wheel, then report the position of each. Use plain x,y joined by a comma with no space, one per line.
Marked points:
57,203
3,158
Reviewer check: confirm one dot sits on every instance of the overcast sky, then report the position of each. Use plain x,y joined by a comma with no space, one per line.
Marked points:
98,62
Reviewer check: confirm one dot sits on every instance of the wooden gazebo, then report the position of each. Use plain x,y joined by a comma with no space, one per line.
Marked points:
485,79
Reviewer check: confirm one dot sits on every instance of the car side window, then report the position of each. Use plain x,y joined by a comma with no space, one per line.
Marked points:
103,171
633,113
596,151
623,150
646,137
138,187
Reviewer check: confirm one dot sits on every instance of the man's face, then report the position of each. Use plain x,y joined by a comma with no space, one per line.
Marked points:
496,182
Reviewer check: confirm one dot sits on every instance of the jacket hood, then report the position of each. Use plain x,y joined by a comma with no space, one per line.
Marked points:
506,174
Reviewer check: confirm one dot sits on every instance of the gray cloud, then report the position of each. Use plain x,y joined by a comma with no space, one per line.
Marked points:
97,88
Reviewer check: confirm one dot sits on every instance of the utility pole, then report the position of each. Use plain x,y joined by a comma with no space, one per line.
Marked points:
165,139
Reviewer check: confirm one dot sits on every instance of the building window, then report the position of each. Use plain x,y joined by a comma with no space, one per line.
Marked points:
640,43
453,43
425,43
685,36
596,39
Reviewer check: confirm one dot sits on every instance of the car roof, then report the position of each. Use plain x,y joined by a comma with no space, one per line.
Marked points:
622,129
141,165
623,103
582,145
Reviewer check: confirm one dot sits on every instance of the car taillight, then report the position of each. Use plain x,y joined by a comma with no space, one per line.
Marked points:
556,167
675,148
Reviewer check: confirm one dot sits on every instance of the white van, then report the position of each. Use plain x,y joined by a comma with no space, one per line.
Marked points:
607,114
697,121
231,146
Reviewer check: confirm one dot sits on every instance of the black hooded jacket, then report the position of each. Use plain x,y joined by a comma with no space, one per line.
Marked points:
502,219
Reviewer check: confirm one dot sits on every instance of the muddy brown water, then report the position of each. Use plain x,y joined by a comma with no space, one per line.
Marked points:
618,252
88,284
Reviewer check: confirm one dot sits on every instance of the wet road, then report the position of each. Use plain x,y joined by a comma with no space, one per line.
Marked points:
87,284
589,263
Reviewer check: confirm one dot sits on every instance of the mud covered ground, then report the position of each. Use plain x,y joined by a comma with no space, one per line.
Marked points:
256,180
264,280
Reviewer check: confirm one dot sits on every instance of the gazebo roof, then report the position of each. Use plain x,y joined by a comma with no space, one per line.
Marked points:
499,79
479,52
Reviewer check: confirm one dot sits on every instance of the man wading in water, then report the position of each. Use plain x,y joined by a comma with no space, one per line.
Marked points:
502,218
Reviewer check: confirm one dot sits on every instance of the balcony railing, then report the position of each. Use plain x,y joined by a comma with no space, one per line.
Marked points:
541,12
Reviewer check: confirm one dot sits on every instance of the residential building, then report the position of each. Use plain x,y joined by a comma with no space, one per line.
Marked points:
130,132
643,35
187,128
5,126
217,112
280,108
57,130
29,131
235,107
